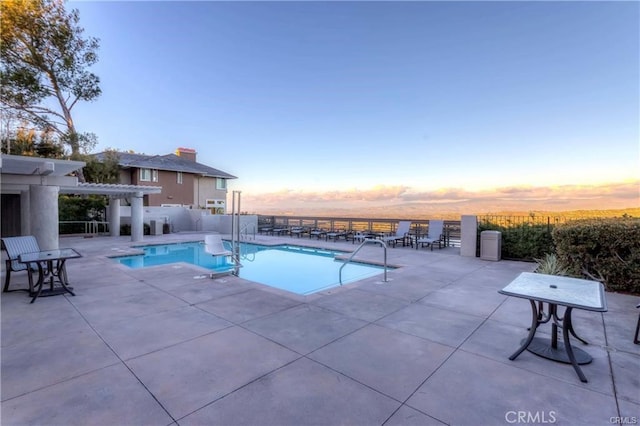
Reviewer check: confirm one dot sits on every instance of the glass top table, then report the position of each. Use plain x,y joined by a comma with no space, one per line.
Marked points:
565,291
48,255
51,266
554,290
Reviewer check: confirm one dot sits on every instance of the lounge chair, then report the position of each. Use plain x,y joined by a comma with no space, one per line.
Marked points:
15,246
318,233
434,235
401,234
214,246
336,234
358,236
280,230
298,231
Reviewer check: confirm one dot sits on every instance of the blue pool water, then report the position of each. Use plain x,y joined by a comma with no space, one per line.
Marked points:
300,270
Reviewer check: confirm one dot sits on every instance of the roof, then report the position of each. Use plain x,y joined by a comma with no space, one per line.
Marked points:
22,165
169,162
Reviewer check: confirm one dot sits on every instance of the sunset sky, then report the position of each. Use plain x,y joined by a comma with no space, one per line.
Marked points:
316,105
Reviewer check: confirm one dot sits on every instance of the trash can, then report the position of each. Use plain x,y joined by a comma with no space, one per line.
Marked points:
490,245
156,227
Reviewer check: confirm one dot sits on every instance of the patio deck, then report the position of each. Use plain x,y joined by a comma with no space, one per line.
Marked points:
164,346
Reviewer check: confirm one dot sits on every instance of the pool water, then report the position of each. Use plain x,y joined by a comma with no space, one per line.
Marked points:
297,269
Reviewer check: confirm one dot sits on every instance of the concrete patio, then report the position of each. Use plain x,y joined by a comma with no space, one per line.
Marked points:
165,345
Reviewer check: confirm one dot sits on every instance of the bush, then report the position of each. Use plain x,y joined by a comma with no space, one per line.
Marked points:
522,242
607,250
126,229
74,208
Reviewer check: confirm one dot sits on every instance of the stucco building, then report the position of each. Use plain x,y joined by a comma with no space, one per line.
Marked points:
184,181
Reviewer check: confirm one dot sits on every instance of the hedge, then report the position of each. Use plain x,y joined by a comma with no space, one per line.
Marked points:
604,249
522,242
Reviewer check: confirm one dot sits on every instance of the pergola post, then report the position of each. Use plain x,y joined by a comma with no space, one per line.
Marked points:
43,212
137,224
114,217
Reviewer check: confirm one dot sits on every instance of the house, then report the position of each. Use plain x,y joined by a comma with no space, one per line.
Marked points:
184,181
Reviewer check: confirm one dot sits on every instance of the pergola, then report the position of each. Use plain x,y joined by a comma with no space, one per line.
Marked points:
39,181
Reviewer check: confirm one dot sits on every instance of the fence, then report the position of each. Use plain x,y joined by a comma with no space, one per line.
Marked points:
523,237
418,226
91,227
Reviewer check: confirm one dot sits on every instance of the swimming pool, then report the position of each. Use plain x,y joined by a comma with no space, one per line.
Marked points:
297,269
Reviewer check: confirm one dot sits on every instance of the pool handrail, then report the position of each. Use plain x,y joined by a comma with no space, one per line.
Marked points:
364,242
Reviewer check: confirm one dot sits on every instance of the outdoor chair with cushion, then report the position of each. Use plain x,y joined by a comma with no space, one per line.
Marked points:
336,234
318,233
298,231
15,246
401,234
434,235
358,236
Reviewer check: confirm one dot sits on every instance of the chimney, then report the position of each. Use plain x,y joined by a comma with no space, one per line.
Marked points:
186,153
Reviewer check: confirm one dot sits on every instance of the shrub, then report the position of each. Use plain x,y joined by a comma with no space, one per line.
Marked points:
74,208
126,229
550,265
607,250
523,242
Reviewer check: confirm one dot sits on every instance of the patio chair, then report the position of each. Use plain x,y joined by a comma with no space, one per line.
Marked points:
15,246
214,246
434,235
401,234
358,236
298,231
318,233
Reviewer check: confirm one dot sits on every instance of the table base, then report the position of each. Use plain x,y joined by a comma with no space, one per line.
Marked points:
541,347
53,292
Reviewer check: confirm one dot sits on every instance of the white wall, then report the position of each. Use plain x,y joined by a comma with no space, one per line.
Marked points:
205,187
185,219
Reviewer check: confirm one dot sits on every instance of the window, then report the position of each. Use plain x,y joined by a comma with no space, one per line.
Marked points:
221,183
179,177
145,175
149,175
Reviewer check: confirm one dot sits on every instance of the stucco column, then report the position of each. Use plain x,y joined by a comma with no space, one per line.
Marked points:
43,212
25,216
114,217
137,225
468,235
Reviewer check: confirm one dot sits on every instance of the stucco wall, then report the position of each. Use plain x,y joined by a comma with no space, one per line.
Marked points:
184,219
205,187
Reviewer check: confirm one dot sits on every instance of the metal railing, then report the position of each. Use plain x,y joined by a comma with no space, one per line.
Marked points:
365,242
419,227
248,235
85,227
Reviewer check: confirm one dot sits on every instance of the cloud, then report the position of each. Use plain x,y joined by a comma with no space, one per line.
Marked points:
378,193
567,197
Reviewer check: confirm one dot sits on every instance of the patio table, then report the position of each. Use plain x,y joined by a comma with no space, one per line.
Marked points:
47,270
572,293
